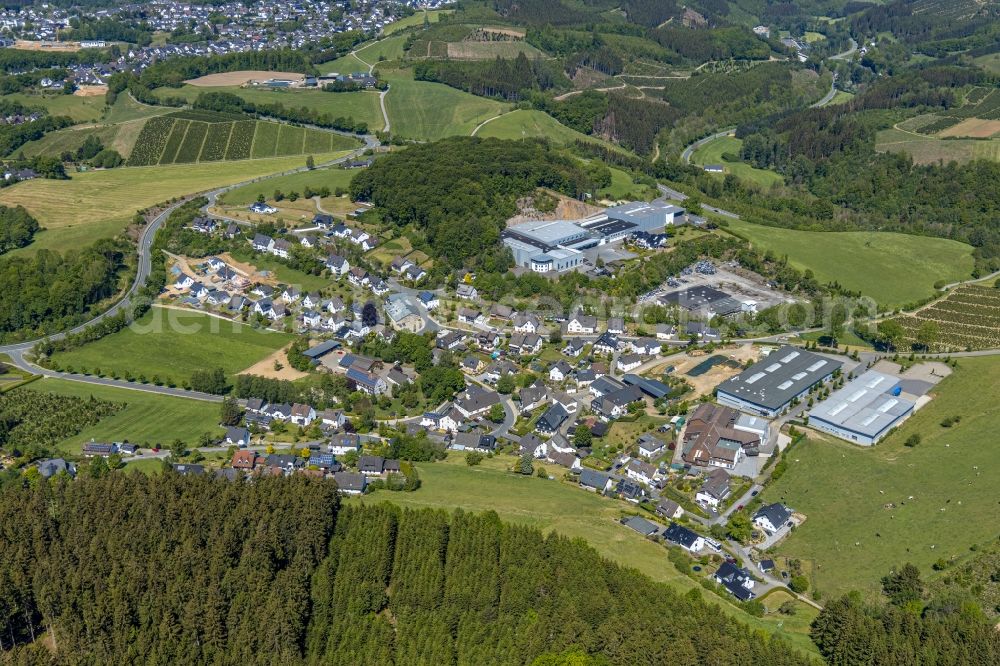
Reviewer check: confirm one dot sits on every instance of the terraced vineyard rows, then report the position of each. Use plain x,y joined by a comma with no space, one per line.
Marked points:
190,136
966,320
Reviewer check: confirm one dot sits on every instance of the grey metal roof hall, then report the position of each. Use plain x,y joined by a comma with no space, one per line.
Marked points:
773,381
868,405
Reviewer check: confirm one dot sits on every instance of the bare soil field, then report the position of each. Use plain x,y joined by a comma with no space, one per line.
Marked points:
31,45
976,128
240,77
249,270
90,91
265,368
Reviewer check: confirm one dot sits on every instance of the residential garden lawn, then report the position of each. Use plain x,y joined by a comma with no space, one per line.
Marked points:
80,109
417,18
148,418
147,466
625,433
894,269
430,111
944,489
361,105
173,344
100,204
711,153
333,178
552,505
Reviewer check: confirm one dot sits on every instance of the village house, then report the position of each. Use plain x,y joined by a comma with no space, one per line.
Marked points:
772,517
715,489
687,539
581,324
595,481
526,323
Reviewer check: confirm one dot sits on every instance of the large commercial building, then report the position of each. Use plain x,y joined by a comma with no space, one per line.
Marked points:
709,301
557,245
864,410
768,387
648,217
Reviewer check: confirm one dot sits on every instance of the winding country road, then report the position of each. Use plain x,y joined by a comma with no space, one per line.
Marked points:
17,351
689,151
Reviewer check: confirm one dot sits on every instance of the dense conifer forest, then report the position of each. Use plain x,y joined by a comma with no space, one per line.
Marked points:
181,570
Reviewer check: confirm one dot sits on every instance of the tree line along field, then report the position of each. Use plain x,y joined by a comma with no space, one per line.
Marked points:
967,319
893,269
185,137
362,106
297,182
870,509
171,345
563,508
713,153
147,417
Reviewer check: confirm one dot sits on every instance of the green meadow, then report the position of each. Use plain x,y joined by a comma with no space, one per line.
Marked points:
894,269
172,344
871,509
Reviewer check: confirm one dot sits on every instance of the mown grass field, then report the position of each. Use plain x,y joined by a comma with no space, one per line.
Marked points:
80,109
622,187
361,106
148,417
529,123
173,344
894,269
297,182
125,109
943,490
100,204
417,18
429,111
120,137
711,153
552,505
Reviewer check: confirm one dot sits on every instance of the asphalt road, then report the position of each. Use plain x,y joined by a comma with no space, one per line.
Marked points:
686,155
18,350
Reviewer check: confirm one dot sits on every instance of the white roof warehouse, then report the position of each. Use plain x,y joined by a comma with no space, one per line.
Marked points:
769,386
864,410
